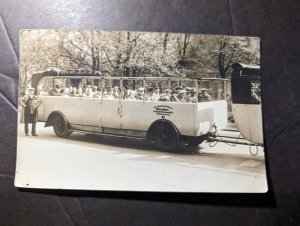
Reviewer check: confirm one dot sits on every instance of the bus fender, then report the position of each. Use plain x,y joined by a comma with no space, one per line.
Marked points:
53,116
153,126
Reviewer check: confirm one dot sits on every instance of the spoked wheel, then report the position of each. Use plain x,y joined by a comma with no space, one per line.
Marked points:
60,126
166,137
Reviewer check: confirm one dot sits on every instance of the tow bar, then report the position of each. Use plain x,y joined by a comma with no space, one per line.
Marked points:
214,138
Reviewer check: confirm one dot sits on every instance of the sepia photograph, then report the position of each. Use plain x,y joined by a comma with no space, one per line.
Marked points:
140,111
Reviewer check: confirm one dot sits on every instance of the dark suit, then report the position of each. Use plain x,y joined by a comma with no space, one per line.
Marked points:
30,112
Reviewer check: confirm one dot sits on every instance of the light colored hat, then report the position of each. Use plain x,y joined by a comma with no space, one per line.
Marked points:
30,88
193,90
182,92
203,89
141,89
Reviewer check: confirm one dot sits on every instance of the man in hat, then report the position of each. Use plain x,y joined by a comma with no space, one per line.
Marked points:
182,96
192,95
30,104
203,95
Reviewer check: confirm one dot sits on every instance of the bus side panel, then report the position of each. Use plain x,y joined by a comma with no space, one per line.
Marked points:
248,118
78,110
139,115
110,114
219,111
203,119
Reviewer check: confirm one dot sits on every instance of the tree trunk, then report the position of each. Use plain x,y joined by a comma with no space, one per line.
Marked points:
165,42
185,43
93,59
221,63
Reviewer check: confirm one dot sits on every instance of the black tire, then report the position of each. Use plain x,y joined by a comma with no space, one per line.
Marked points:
61,127
166,137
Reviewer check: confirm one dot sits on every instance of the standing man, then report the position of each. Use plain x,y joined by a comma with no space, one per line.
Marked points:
30,104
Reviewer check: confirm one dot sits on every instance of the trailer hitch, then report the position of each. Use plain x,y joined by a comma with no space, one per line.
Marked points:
214,138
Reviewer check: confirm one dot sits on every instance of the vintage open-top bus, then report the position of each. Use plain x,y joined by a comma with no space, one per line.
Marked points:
168,123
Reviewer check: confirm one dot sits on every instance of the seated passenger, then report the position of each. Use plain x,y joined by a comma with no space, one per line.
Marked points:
174,95
140,93
203,95
98,94
94,90
131,96
74,92
55,91
79,93
255,96
148,94
66,92
116,92
182,96
166,95
126,93
192,95
155,96
110,94
89,92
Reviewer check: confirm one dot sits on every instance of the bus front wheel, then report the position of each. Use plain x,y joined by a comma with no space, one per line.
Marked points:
166,137
60,126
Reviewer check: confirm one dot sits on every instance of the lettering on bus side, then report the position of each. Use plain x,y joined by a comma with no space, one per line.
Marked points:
163,110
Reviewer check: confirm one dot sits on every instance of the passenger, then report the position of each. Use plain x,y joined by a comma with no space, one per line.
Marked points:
219,94
178,89
192,95
166,96
155,96
55,91
40,90
126,93
131,96
80,93
94,90
255,95
66,92
148,94
98,94
174,95
74,92
116,93
104,92
140,93
89,92
182,96
188,90
110,94
203,95
70,89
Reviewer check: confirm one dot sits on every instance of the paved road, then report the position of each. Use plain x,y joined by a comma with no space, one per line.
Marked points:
109,163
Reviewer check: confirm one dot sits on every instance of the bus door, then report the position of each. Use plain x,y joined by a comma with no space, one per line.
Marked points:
110,112
134,92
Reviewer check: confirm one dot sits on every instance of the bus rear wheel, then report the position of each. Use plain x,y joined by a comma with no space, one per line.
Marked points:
166,137
60,126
